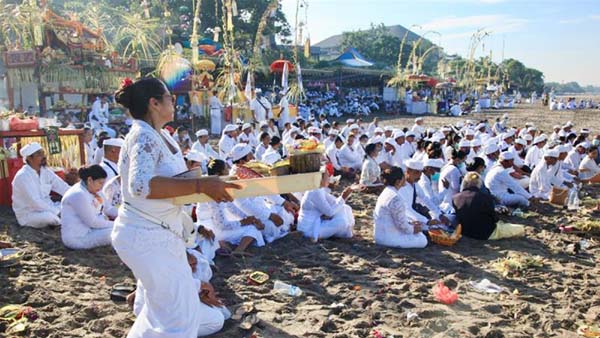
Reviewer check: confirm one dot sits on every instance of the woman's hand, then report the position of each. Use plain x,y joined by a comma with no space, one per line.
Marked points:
215,188
206,233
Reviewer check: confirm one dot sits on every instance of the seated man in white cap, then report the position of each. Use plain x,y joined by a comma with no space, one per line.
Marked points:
273,154
419,208
546,175
273,211
112,149
201,145
503,187
535,152
228,141
429,181
344,132
576,155
247,136
348,156
588,168
491,153
31,190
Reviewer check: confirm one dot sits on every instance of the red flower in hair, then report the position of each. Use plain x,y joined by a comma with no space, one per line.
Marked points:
126,82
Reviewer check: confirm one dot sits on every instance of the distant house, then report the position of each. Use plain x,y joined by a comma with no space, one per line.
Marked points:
330,48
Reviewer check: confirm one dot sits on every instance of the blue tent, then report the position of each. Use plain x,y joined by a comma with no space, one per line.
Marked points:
352,58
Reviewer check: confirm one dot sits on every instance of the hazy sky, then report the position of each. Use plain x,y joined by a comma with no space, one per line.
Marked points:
560,38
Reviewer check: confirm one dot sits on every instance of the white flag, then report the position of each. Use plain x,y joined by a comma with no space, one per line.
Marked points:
300,86
248,89
284,78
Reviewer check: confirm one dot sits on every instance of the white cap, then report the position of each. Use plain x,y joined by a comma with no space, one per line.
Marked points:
263,124
445,129
378,130
353,126
563,148
490,148
476,143
391,141
434,163
464,144
195,156
418,119
479,126
539,139
527,137
414,164
437,137
350,121
569,124
552,153
584,145
334,132
532,128
521,141
202,132
376,139
29,149
398,133
388,128
556,126
246,126
507,155
240,150
114,142
230,127
410,133
584,131
258,90
509,133
469,132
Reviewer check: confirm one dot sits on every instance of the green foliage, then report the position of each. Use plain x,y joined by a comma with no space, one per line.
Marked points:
571,88
523,78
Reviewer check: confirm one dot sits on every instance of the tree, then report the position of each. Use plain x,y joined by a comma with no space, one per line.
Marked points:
522,78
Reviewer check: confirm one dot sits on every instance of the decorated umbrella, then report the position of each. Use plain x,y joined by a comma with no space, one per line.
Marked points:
278,65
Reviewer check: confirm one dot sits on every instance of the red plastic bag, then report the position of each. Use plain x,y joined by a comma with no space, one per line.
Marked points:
443,294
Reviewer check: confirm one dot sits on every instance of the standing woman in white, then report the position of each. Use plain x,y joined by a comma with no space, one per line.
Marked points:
148,232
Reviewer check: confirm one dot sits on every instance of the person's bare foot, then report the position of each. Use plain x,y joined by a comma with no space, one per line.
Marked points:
131,299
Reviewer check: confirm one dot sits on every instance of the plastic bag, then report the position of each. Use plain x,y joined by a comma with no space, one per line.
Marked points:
443,294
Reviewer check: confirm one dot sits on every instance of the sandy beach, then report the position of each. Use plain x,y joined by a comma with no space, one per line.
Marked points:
351,288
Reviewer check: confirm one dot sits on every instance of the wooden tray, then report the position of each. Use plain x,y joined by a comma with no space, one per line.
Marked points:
264,186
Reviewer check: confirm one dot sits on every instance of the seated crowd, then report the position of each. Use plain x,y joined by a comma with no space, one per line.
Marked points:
425,178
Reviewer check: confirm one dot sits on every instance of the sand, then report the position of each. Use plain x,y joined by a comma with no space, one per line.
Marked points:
352,288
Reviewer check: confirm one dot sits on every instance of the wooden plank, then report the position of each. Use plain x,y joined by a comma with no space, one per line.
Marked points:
264,186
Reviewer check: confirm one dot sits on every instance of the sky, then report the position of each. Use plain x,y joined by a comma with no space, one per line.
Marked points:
559,38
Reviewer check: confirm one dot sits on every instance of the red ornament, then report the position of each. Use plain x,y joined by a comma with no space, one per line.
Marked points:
126,83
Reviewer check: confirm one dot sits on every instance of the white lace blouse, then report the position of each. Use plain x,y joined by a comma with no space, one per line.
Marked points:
145,155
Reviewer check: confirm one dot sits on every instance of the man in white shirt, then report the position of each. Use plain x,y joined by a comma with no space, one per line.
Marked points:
261,107
216,113
534,154
201,145
503,187
31,190
228,141
418,128
98,117
112,149
547,174
348,156
577,154
90,146
247,136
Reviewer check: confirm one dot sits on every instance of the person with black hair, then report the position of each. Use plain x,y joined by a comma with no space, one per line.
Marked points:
370,174
149,234
99,152
273,154
263,145
228,222
391,224
451,173
84,226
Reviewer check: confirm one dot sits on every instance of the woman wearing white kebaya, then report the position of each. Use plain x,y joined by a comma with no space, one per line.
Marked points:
371,172
391,224
84,226
322,215
148,233
588,168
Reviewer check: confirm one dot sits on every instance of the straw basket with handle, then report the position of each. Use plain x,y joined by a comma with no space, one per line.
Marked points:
441,237
559,196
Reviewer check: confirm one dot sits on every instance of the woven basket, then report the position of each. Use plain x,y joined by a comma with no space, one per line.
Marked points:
443,238
305,163
559,196
281,170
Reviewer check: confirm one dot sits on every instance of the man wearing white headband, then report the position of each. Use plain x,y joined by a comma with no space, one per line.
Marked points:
201,145
503,187
31,190
112,149
535,153
228,141
546,175
247,136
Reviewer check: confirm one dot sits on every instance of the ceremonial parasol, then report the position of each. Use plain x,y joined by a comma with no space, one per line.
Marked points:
277,66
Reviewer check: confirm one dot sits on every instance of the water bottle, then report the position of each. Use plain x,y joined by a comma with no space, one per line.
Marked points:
571,199
284,288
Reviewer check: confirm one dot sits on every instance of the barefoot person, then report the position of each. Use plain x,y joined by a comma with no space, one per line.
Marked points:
148,233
